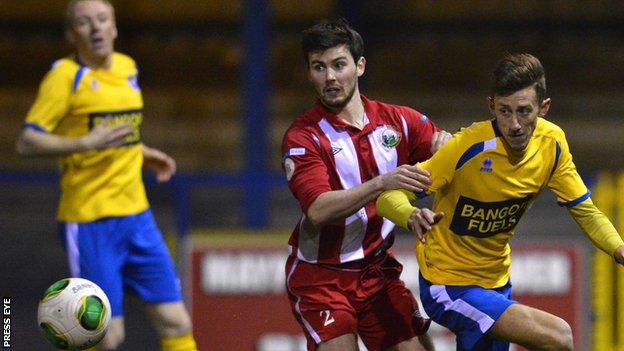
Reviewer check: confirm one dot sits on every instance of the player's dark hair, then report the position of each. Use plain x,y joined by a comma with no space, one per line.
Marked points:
327,34
518,71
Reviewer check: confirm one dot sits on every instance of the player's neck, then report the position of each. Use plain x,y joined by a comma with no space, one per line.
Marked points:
95,62
353,112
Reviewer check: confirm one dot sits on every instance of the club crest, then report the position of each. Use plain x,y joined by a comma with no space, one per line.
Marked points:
390,137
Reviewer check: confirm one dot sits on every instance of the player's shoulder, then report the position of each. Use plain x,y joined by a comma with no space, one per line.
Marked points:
64,66
123,61
394,110
548,129
304,124
477,132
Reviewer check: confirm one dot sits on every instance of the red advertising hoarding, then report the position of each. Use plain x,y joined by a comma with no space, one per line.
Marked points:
239,300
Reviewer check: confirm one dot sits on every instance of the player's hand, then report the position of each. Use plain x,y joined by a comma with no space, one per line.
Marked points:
438,139
102,136
162,164
619,255
421,220
409,177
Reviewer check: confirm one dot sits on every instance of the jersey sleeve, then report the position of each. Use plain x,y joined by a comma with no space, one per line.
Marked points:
420,129
596,226
565,181
52,102
306,172
442,165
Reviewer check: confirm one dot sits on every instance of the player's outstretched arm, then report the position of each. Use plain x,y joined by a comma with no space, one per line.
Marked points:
339,204
36,143
598,229
162,164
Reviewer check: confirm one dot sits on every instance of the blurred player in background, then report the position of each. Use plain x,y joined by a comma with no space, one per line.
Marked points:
484,178
338,157
88,113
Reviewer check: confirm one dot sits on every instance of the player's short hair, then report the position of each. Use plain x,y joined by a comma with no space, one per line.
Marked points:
69,11
327,34
518,71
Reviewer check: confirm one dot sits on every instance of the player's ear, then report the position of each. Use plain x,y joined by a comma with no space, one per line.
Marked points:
361,66
544,106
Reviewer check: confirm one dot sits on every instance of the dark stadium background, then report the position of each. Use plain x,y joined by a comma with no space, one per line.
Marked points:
223,79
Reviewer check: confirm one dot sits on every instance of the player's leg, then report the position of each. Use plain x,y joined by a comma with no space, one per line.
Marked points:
318,301
96,251
114,336
150,272
393,322
468,311
346,342
170,319
533,329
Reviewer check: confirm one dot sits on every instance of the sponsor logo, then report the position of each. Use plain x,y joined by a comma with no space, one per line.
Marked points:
296,151
134,118
390,137
487,166
334,150
289,168
484,219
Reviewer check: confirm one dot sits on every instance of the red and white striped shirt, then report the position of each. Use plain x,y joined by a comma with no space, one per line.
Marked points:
322,153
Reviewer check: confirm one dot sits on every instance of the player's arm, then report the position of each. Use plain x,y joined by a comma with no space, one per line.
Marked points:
162,164
598,229
36,142
339,204
396,205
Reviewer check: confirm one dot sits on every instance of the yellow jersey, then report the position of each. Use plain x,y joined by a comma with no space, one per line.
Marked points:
484,192
72,99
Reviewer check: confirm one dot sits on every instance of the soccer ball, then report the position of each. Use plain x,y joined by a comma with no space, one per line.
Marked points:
74,314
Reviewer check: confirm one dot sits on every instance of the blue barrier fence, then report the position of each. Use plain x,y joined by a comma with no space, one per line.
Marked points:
181,185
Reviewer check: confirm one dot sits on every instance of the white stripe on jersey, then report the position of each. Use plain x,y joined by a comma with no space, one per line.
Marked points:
346,159
73,253
348,169
386,227
308,244
385,157
405,130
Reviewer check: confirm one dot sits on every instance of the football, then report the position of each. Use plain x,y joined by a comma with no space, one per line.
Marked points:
74,314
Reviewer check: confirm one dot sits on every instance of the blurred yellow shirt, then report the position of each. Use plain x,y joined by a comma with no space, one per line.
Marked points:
484,192
72,99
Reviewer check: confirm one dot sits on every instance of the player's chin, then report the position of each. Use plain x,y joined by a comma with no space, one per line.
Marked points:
334,102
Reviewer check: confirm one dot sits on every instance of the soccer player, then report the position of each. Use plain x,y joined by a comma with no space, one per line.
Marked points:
484,179
338,157
88,112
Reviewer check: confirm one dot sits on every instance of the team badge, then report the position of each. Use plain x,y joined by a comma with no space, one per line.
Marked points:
487,166
390,137
289,168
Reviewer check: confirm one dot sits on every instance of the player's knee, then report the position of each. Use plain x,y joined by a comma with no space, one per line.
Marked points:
112,340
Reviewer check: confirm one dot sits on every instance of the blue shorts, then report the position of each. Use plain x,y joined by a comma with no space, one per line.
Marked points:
468,311
119,253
